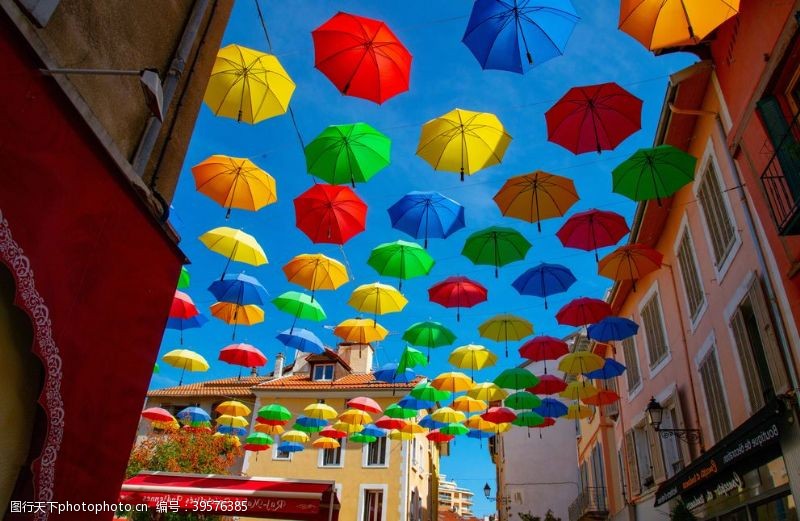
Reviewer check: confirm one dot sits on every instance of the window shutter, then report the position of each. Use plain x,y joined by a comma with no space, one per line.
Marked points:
745,349
777,369
774,121
630,460
686,455
656,455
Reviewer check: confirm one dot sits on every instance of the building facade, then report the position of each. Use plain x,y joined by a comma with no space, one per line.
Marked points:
454,498
89,167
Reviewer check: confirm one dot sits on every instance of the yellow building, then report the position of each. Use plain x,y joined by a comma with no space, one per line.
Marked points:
454,498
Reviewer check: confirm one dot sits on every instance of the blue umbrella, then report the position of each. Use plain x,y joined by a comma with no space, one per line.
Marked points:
551,408
409,402
516,35
427,215
479,434
193,414
388,373
430,423
232,431
305,421
301,339
240,289
612,328
544,280
371,430
610,369
290,446
186,323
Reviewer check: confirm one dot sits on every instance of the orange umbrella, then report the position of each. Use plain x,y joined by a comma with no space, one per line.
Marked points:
234,182
603,397
536,196
630,262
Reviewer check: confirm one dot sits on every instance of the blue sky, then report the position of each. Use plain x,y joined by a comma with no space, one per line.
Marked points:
444,76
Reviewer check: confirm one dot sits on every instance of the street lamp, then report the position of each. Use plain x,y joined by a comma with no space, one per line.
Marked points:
655,414
487,490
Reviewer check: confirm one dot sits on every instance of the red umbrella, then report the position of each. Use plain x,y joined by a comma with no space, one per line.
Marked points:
603,397
182,306
157,414
330,214
594,117
362,57
548,384
439,437
583,311
244,355
265,421
593,229
457,292
330,432
543,348
365,404
389,423
499,415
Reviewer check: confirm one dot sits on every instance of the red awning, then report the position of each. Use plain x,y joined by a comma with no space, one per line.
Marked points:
270,498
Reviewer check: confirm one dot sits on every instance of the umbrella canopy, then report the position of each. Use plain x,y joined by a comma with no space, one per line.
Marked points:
473,357
330,214
184,278
182,306
232,421
454,429
307,421
390,373
425,215
611,369
429,334
315,271
463,141
299,305
457,292
359,437
593,118
186,360
453,382
516,378
581,311
248,85
528,419
231,431
400,259
578,390
157,414
239,289
522,400
385,422
468,405
235,245
411,358
377,298
308,429
320,411
289,446
630,262
330,432
396,411
478,434
673,23
551,408
344,154
439,437
355,417
426,391
372,430
544,280
234,182
272,430
448,415
244,355
653,173
182,324
409,402
577,411
362,57
235,314
364,403
496,246
360,331
502,328
499,415
603,397
612,329
487,391
301,339
193,414
536,196
324,442
593,229
543,348
580,362
516,35
257,441
348,428
401,436
548,384
412,428
430,423
478,423
274,414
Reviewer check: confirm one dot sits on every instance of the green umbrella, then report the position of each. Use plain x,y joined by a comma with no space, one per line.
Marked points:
156,369
307,428
395,411
274,413
411,358
425,391
401,259
258,439
496,246
528,419
456,429
183,278
522,400
516,378
299,305
348,154
362,438
428,334
653,173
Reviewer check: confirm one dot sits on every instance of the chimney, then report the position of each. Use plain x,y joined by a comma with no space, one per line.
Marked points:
357,356
278,371
254,371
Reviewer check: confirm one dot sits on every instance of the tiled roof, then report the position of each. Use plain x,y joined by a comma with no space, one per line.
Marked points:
225,387
350,381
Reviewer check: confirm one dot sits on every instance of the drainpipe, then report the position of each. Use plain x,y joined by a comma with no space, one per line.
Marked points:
170,84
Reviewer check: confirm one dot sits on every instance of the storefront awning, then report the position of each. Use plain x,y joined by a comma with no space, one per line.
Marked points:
269,498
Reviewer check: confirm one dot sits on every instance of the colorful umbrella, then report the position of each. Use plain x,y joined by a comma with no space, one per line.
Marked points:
289,446
544,280
362,57
344,154
184,278
522,400
358,437
463,141
307,421
193,414
551,408
603,397
409,402
364,403
673,23
425,215
234,182
457,292
239,289
326,443
248,85
516,35
401,436
243,355
320,411
411,358
400,259
231,431
272,430
429,423
468,405
593,118
548,384
236,314
653,173
439,437
480,435
355,417
516,378
377,298
388,423
348,428
611,369
257,441
536,196
330,432
578,390
315,271
330,214
185,360
473,357
274,414
426,391
580,362
454,429
182,324
398,412
301,339
299,305
502,328
428,334
612,329
448,415
499,415
390,373
308,429
360,331
182,306
232,421
453,382
477,422
593,229
582,311
235,245
528,419
630,262
577,411
157,414
487,391
496,246
543,348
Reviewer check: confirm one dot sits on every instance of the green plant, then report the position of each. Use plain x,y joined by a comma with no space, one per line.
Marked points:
549,516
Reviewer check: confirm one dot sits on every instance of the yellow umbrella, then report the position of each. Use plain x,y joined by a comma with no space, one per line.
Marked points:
232,421
234,182
448,415
472,357
401,436
454,382
233,408
360,331
248,85
578,412
488,392
320,411
671,23
412,428
231,313
325,443
349,428
579,391
269,429
377,298
235,245
315,271
185,360
355,417
502,427
580,362
468,405
295,436
463,141
502,328
476,422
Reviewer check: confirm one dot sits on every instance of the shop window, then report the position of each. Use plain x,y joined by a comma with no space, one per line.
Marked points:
719,221
631,364
655,333
780,509
695,296
715,396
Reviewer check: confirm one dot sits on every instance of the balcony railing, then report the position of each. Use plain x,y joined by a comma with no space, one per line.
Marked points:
781,181
590,504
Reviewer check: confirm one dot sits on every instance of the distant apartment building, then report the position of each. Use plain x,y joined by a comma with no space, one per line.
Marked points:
454,498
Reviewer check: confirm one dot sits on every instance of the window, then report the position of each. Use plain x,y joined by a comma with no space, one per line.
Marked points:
655,334
695,296
631,364
376,453
332,457
673,461
719,222
372,507
323,372
715,397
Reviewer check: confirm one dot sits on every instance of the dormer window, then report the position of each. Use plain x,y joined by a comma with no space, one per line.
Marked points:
323,372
